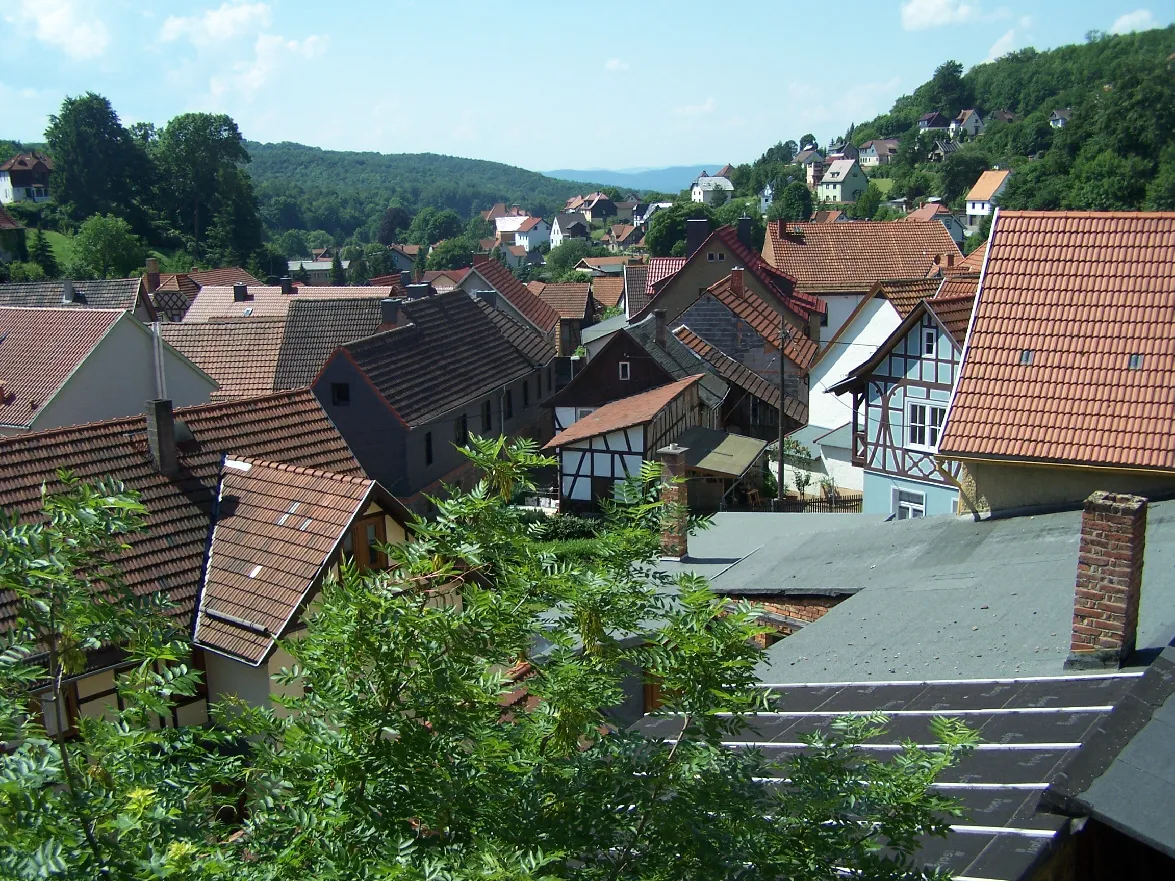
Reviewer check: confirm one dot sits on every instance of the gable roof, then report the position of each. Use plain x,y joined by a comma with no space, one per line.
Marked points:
169,556
678,360
522,336
661,268
7,221
636,285
26,162
449,354
852,257
568,219
529,224
314,328
39,350
973,262
269,548
240,355
806,156
838,170
569,299
988,184
110,293
502,280
929,211
906,294
765,321
1082,292
607,290
832,216
934,119
266,301
954,303
624,413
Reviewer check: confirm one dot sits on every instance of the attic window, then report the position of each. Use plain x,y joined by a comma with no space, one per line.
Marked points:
253,573
1136,361
1026,357
291,510
248,311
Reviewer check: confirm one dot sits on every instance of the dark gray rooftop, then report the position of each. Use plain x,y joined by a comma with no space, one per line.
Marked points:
679,360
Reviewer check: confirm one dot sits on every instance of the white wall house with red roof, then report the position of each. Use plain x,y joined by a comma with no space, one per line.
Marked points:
532,233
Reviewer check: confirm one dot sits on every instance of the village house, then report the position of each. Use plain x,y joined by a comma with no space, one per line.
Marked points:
109,293
491,281
172,293
981,199
62,366
630,210
968,123
1060,118
814,173
879,151
841,150
25,178
711,190
532,233
843,181
942,149
624,237
1005,116
766,198
403,257
597,207
936,212
569,226
1063,388
642,219
808,157
933,122
12,238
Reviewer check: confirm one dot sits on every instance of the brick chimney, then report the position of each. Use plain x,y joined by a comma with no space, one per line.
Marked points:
152,274
161,437
287,285
240,293
660,330
697,230
736,281
674,496
1109,581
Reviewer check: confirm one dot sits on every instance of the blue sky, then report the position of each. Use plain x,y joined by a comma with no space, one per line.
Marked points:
595,85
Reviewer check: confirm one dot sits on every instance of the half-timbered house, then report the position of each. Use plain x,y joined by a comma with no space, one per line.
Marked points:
900,398
608,444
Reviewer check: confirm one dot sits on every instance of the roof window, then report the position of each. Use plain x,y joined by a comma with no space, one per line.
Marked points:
253,573
1026,357
286,516
1136,361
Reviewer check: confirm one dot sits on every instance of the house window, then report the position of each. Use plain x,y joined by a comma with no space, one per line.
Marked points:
428,448
461,430
340,394
625,370
581,412
525,393
929,341
486,418
924,424
908,505
721,256
508,404
710,256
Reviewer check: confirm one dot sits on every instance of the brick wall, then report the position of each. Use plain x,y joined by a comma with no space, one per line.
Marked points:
798,608
674,495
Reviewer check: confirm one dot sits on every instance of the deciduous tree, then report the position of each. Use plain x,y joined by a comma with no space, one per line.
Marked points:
106,247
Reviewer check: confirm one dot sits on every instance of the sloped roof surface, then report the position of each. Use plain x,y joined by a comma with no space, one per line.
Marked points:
990,181
7,221
607,290
636,287
954,303
265,301
240,355
532,344
39,349
1083,293
660,268
626,412
277,528
25,161
907,293
110,293
451,353
854,256
314,328
169,556
678,360
502,280
765,321
569,299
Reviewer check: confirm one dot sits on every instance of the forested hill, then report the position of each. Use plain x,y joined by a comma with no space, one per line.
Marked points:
340,191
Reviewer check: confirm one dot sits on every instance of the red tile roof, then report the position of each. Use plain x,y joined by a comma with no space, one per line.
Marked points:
26,161
1068,300
529,224
661,268
528,305
39,350
263,301
7,221
973,262
765,321
905,294
989,182
827,216
240,355
569,299
852,257
626,412
929,211
607,290
954,310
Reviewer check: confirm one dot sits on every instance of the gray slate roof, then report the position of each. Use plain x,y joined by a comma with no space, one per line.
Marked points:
529,342
679,360
110,293
602,329
315,328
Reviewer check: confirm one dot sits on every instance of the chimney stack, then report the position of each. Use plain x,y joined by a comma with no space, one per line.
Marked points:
1109,581
152,274
674,498
660,331
287,285
391,313
405,278
67,294
161,437
419,290
240,293
736,281
697,230
744,230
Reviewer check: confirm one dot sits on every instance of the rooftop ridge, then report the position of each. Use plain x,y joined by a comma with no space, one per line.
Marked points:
301,469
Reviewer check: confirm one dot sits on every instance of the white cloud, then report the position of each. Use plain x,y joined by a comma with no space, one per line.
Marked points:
271,54
615,64
707,106
1139,20
73,27
1002,46
921,15
1026,21
226,22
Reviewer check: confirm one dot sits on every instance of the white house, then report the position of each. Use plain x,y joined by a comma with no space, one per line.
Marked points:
510,223
1059,118
766,198
879,151
843,181
569,226
533,232
933,122
706,189
111,364
25,178
968,122
981,198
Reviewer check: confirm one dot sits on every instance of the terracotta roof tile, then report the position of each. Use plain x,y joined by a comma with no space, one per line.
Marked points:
269,549
569,299
854,256
528,305
907,293
7,221
973,262
636,287
240,355
1069,300
954,310
928,212
39,350
169,556
661,268
830,216
607,291
264,301
626,412
529,224
26,161
990,181
765,321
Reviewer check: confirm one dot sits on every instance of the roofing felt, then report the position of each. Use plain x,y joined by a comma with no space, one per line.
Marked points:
855,256
529,342
111,293
265,301
607,291
1124,775
39,350
624,413
168,557
988,184
449,354
1073,338
710,451
240,355
678,360
502,280
314,328
7,221
636,286
1027,729
569,299
277,527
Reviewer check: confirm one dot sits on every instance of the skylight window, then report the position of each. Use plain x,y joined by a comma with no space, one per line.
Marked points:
248,311
1026,357
1136,361
286,516
254,572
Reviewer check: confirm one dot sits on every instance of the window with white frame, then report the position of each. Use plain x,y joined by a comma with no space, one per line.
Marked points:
924,425
908,505
580,412
625,370
929,341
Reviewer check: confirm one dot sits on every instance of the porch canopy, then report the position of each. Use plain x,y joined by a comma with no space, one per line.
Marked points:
719,454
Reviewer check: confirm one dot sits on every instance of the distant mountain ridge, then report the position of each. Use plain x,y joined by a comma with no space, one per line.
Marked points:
663,180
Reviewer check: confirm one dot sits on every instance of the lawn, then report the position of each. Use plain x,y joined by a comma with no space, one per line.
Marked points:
885,184
62,248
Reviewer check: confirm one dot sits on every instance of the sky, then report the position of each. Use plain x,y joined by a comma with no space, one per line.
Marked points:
610,85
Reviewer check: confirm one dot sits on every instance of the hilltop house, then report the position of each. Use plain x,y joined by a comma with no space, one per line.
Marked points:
25,178
879,151
968,123
706,189
982,197
843,181
933,122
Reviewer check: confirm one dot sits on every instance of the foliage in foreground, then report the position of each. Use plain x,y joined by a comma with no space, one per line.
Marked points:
409,751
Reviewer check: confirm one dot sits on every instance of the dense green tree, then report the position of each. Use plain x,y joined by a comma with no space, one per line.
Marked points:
809,142
106,247
1108,182
42,255
394,222
292,243
431,226
667,227
358,272
22,271
235,234
301,275
561,261
452,254
867,203
1160,195
337,276
479,228
947,92
960,171
792,203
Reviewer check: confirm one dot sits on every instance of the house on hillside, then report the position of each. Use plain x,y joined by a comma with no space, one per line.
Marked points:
711,190
1063,388
814,173
597,207
12,238
404,257
630,211
968,123
808,157
879,151
533,232
981,199
936,212
1005,116
766,198
624,237
569,226
25,178
943,148
64,366
1060,118
933,122
843,181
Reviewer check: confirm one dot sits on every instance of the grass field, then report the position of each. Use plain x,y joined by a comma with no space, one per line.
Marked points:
885,184
60,244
